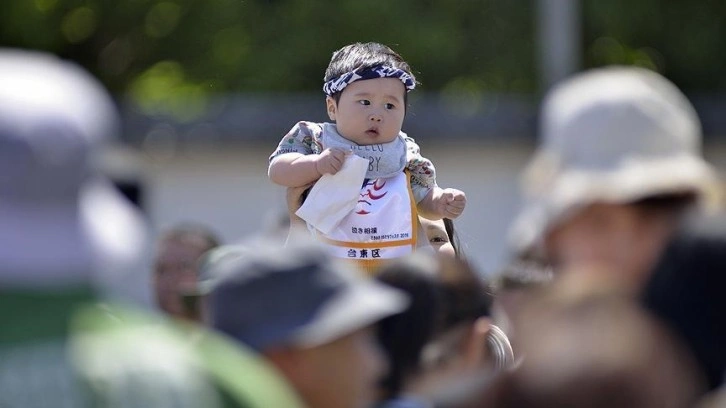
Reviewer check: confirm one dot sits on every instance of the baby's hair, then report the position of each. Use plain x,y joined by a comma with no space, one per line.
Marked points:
363,55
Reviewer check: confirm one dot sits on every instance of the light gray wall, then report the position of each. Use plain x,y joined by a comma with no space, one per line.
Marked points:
228,189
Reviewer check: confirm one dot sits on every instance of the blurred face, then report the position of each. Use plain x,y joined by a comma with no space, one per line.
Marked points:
175,271
614,238
437,236
341,374
600,351
369,111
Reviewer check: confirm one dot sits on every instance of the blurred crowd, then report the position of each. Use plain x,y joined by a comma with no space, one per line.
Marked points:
611,297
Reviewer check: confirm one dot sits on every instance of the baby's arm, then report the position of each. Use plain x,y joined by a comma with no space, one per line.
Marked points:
296,163
433,202
442,203
297,169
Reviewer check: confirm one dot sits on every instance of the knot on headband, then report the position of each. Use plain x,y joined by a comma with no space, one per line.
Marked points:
336,85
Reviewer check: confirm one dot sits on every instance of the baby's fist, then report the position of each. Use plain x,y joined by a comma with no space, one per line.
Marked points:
330,161
454,202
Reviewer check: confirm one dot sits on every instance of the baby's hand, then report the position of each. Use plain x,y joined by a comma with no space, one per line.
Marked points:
330,161
451,203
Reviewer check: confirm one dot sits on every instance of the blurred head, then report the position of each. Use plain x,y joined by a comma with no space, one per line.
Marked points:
61,223
612,139
625,239
367,86
588,345
341,373
518,281
196,297
445,332
176,267
310,315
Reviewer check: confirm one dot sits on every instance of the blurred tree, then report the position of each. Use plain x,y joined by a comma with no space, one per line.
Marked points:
171,55
682,39
161,50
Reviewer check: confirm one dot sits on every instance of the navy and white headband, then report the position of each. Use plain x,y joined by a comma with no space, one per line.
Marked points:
336,85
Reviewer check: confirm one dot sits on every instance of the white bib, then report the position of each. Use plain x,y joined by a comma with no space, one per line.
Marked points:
381,227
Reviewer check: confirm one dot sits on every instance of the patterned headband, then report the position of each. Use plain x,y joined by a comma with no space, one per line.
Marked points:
336,85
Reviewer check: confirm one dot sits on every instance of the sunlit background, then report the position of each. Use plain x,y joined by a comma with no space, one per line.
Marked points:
207,88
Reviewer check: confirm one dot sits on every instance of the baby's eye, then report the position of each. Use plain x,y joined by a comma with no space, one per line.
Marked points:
365,102
438,240
390,106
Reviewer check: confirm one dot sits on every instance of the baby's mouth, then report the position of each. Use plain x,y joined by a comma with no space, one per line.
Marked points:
372,132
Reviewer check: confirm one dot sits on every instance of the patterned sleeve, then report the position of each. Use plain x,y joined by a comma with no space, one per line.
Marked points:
303,138
423,172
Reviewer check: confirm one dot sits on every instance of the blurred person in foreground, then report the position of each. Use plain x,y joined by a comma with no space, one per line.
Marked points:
73,250
445,337
588,345
176,264
196,297
512,287
310,315
619,164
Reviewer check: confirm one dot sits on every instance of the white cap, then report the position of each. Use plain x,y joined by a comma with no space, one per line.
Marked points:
61,224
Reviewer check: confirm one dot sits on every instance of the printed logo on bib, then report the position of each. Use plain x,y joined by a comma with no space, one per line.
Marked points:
372,191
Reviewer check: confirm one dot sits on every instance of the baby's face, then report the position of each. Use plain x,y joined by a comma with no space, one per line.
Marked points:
369,111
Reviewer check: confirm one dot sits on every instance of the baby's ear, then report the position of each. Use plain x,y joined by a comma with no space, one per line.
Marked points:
331,107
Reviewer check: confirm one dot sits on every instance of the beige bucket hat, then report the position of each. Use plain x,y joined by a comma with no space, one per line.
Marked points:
614,134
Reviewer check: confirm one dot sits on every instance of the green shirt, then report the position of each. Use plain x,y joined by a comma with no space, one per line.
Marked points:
68,350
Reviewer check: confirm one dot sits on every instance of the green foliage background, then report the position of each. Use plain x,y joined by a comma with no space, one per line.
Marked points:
183,51
683,39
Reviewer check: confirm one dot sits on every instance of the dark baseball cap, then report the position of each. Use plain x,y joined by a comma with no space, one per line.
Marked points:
297,295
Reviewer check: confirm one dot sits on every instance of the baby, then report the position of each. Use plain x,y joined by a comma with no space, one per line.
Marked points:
367,87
